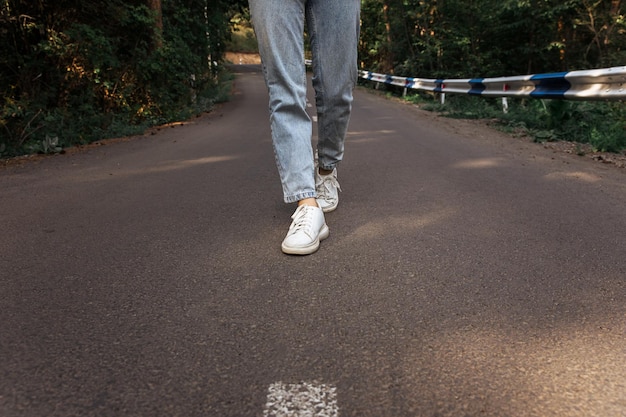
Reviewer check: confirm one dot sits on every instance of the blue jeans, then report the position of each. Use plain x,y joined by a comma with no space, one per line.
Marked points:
333,29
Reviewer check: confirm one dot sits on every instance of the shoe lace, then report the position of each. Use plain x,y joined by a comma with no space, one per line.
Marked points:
327,182
302,219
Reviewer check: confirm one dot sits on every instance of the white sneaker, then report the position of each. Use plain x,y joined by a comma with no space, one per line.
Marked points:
307,229
327,188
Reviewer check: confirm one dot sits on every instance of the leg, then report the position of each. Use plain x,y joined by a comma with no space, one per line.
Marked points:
279,27
333,27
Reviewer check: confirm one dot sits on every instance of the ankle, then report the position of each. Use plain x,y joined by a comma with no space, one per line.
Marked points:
308,202
325,171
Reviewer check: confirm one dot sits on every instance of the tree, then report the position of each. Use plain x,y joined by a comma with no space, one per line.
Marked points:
157,12
605,25
80,70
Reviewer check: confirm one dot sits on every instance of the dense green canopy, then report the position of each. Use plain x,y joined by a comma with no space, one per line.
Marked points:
482,38
73,71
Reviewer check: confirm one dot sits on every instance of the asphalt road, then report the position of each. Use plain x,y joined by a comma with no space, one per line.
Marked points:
466,274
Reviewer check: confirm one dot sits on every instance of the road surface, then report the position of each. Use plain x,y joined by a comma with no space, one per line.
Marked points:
466,274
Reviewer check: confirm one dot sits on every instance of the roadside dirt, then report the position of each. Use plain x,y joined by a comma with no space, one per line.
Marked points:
581,150
586,151
34,158
487,129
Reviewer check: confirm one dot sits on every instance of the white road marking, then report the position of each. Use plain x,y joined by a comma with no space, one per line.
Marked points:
309,105
301,400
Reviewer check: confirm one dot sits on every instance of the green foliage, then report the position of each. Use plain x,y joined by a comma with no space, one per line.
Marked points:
77,71
609,136
583,122
491,38
242,41
465,39
600,124
242,38
469,107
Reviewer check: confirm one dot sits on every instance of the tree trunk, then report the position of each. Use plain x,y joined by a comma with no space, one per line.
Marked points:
157,12
388,58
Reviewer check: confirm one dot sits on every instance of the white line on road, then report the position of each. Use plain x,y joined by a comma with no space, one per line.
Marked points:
301,400
309,105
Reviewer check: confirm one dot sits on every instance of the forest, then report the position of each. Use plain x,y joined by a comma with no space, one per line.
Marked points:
488,38
76,71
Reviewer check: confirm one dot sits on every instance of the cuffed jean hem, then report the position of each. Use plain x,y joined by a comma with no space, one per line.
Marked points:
300,196
328,168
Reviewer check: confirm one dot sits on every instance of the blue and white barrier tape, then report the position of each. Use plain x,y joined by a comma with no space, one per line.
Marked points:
598,84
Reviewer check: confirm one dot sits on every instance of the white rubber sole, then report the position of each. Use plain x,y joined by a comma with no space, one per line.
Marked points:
327,209
309,249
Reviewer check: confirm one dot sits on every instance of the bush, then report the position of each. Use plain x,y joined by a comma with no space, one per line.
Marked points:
600,124
77,72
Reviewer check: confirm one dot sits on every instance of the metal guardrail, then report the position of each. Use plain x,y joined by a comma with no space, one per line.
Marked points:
597,84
